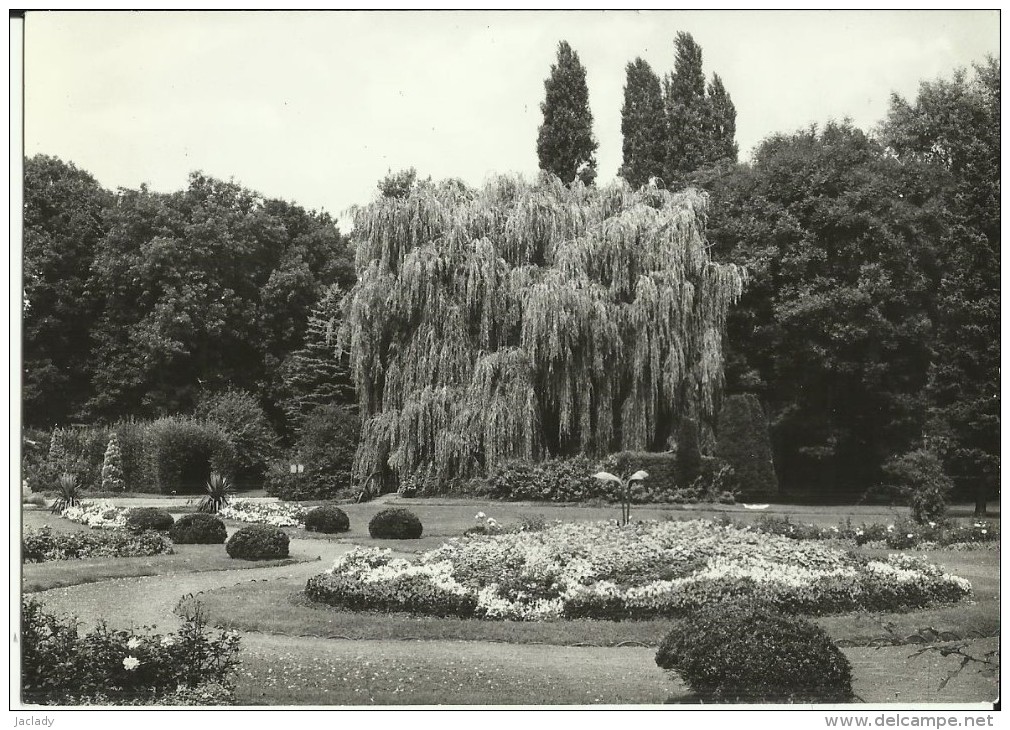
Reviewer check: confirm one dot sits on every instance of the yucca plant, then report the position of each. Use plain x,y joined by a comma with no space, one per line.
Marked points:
638,476
69,494
218,491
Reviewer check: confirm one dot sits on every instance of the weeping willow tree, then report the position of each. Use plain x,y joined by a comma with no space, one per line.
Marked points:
528,320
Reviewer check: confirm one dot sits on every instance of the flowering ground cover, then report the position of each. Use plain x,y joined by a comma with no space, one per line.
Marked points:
278,514
43,545
599,570
896,535
97,514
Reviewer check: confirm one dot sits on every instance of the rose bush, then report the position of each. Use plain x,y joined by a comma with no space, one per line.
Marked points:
62,665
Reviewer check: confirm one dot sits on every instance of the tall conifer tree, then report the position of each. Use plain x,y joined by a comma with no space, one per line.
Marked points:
317,374
643,124
722,123
687,112
565,145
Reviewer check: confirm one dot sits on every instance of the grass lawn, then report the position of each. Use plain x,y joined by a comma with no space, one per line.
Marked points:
279,670
186,559
299,653
279,607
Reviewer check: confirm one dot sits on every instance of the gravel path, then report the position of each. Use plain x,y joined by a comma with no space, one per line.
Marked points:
150,600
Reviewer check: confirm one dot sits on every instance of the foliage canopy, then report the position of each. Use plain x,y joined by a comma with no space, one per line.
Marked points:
527,320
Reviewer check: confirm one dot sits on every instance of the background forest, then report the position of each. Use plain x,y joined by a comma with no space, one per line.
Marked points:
868,329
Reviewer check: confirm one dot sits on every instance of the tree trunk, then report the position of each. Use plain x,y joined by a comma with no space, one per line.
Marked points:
981,496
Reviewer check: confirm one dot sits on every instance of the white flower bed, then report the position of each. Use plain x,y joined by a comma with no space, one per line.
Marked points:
278,514
97,514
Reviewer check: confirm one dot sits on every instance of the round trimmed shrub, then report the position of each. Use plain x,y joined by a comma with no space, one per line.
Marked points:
328,519
258,542
140,519
748,652
395,523
198,528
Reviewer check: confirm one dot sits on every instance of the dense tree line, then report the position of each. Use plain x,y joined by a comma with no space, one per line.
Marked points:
870,328
138,302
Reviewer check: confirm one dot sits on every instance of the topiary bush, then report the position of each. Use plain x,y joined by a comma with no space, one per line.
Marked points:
745,444
258,542
198,529
140,519
112,467
395,523
180,453
328,519
748,652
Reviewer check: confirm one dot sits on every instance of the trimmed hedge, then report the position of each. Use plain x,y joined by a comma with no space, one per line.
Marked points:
571,480
139,519
42,545
258,542
395,523
327,519
662,468
745,444
153,454
748,652
198,528
172,443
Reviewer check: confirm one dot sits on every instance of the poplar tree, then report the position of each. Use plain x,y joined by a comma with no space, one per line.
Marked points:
722,123
643,124
566,146
687,111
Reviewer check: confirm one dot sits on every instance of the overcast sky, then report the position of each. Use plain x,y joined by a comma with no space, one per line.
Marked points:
316,107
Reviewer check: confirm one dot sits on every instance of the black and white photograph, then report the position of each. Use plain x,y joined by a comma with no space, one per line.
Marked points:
506,359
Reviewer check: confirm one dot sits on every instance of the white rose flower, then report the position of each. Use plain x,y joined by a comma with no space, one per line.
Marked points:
133,643
131,663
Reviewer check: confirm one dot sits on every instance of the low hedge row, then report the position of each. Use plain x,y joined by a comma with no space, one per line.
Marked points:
571,480
43,545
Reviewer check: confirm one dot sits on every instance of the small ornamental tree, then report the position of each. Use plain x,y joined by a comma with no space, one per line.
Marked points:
112,467
744,443
242,419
